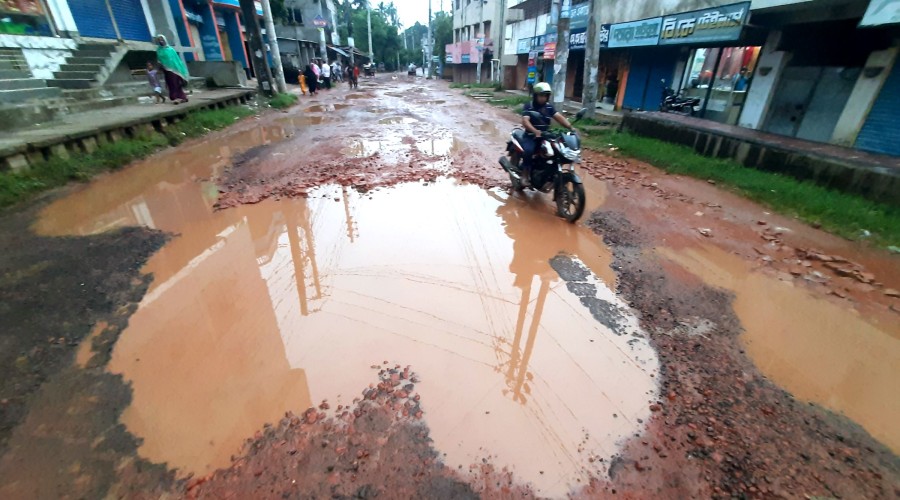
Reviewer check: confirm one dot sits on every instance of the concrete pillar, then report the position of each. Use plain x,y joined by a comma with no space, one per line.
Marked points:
16,163
765,79
210,42
89,144
235,38
62,17
863,96
59,151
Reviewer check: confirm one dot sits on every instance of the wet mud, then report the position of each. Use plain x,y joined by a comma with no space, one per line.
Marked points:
726,429
54,294
378,446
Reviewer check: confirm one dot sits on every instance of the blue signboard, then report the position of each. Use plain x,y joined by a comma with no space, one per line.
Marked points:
631,34
466,59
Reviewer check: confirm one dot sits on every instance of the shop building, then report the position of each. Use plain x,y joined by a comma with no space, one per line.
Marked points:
820,70
526,35
477,36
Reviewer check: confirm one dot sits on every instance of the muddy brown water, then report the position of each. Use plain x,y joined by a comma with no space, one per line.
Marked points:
272,307
276,306
815,348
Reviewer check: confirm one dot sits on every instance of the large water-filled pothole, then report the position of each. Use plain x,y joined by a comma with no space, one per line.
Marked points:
267,308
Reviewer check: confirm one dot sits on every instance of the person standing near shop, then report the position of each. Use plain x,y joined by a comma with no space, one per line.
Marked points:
326,75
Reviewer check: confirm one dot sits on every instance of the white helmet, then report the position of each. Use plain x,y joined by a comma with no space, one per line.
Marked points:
543,88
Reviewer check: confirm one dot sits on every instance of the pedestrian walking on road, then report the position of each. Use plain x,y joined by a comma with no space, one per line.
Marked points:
317,71
356,77
326,74
176,72
349,75
337,72
153,79
312,81
302,80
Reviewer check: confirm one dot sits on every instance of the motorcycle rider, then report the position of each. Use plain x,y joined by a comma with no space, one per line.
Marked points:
540,103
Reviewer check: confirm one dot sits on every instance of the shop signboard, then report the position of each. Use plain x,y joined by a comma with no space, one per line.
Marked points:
719,24
631,34
578,40
320,22
550,50
466,58
523,46
532,67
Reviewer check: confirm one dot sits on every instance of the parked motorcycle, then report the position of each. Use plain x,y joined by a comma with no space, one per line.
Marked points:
677,102
553,167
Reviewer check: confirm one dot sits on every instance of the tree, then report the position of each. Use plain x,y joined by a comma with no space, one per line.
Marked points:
384,36
443,33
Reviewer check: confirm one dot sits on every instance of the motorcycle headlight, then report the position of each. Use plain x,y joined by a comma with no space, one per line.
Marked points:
573,155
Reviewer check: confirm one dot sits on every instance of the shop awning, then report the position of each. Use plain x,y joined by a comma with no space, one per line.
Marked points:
339,51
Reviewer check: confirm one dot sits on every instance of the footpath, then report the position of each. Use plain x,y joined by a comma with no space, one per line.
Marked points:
82,132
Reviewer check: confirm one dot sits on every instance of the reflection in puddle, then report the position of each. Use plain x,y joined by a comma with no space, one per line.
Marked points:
809,345
361,148
443,146
398,120
266,308
323,108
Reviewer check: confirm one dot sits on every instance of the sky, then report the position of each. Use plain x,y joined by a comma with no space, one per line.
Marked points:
415,10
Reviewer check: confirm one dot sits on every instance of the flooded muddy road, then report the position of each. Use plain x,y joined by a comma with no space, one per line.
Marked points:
348,302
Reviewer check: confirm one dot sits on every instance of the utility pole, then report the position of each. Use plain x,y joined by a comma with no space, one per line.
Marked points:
273,45
257,49
323,44
478,43
592,61
430,49
350,41
561,58
369,21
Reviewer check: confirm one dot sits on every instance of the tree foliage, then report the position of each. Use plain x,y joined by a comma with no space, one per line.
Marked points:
388,34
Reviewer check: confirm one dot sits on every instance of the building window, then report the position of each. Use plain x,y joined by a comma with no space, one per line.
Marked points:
295,15
721,77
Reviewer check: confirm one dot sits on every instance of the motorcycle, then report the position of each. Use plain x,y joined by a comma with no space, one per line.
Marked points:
678,103
553,167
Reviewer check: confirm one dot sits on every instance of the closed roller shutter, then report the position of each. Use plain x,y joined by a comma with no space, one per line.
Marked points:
881,132
92,19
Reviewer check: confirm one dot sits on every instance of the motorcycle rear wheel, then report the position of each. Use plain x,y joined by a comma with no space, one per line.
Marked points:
570,200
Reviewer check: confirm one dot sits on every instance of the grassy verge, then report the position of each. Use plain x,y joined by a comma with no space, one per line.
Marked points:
19,186
847,215
514,102
282,101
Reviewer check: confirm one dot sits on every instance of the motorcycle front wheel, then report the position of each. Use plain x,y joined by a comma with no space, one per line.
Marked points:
570,199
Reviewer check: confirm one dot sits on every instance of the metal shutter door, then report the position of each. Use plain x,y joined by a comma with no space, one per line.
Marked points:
92,18
881,132
131,20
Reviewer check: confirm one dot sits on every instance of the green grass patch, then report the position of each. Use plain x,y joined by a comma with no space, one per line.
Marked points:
844,214
55,172
515,102
283,101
